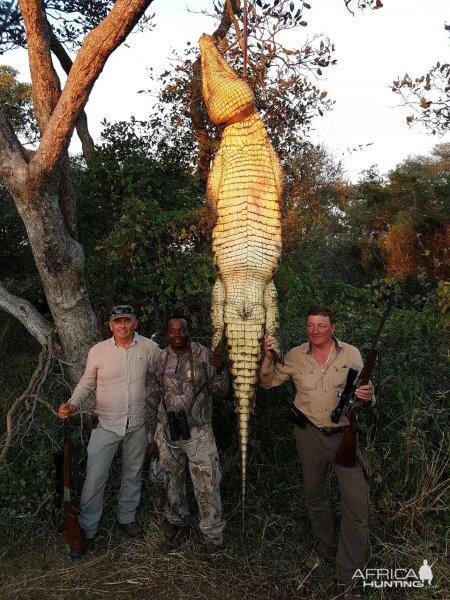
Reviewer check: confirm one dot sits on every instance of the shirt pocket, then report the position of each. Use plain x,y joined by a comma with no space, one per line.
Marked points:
339,377
308,383
139,369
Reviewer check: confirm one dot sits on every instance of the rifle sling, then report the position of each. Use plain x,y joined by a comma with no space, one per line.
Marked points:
195,392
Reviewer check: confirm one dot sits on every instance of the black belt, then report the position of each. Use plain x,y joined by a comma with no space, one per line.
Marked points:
300,419
327,430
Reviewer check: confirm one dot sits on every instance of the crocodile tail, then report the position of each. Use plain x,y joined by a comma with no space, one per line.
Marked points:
244,408
244,349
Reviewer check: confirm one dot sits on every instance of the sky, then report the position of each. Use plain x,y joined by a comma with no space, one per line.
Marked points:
372,49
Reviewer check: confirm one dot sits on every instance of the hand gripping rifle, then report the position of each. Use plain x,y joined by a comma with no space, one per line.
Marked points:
346,453
64,492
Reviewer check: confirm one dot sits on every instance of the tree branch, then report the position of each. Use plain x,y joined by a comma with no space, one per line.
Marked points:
88,64
230,8
13,156
36,379
66,197
87,143
46,87
25,312
232,17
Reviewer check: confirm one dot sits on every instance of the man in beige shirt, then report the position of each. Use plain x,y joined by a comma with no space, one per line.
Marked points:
117,369
319,370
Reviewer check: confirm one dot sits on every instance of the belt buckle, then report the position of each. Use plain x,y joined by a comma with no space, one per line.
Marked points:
328,430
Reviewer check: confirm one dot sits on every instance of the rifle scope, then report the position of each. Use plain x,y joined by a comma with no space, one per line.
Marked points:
345,395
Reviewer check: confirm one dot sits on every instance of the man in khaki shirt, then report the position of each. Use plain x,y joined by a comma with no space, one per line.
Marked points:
117,370
319,370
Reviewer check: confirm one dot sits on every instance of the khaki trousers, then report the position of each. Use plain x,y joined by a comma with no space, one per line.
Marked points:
316,452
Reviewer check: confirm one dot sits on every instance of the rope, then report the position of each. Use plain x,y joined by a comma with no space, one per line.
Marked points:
245,35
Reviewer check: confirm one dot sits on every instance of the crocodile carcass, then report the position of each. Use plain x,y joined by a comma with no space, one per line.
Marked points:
244,191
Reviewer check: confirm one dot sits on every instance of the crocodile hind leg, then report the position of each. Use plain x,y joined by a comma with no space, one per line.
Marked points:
217,313
271,308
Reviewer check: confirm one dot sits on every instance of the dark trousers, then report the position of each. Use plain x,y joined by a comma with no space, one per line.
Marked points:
316,452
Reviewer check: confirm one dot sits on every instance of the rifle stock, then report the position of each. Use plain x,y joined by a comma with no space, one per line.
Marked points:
72,528
58,460
368,367
346,453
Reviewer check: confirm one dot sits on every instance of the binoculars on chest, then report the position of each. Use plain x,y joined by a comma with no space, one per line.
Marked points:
178,425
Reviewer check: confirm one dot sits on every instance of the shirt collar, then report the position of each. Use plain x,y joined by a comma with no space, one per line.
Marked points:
306,347
173,353
112,341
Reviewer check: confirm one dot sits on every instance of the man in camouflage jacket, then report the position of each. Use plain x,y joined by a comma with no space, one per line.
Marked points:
182,379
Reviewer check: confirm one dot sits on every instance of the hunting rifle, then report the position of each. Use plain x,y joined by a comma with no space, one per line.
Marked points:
346,453
64,492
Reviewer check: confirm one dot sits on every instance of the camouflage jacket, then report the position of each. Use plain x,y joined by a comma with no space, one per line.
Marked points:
171,386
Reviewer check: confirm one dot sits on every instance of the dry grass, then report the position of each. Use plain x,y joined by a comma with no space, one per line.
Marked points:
131,569
264,562
409,495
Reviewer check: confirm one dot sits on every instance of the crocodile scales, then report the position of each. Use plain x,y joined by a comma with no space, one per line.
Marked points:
244,191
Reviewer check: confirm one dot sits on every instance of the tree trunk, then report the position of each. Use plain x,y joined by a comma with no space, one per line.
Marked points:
39,182
60,262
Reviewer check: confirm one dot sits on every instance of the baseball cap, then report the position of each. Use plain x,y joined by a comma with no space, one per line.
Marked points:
122,310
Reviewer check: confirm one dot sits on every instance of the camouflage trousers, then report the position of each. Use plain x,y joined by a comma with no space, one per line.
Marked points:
199,453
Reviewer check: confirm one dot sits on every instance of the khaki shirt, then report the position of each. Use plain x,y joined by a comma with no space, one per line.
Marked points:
317,388
119,377
170,386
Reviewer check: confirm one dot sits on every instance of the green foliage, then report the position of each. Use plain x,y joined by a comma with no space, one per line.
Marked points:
25,486
156,258
414,195
15,100
15,255
125,166
141,218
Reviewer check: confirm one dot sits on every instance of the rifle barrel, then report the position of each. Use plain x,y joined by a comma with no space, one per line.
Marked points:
383,320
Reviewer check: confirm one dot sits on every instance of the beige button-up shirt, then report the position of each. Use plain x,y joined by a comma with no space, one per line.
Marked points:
317,388
119,377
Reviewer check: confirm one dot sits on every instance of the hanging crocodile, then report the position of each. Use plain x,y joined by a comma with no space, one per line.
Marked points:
244,191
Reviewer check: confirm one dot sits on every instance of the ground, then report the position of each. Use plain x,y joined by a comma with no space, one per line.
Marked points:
262,560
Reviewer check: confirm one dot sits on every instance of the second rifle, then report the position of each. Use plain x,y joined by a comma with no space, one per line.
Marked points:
346,455
64,495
